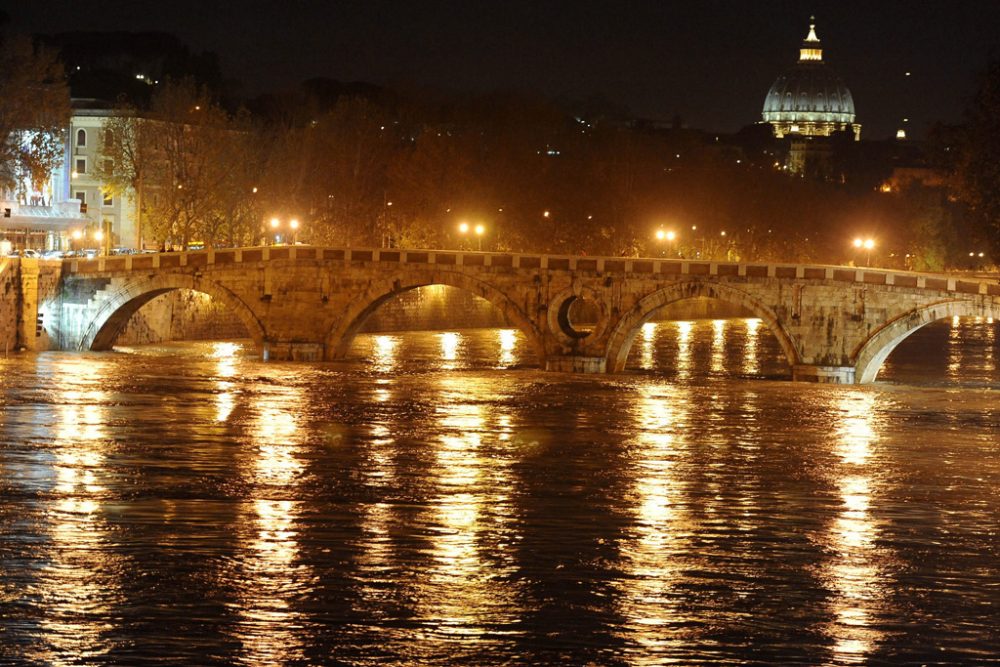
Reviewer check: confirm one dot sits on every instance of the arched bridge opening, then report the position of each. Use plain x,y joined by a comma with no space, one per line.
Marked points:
717,327
138,308
952,339
460,320
706,338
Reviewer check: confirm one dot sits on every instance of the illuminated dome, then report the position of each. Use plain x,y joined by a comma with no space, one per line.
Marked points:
810,99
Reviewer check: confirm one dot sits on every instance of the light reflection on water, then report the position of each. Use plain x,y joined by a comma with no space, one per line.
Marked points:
77,581
656,555
855,572
423,506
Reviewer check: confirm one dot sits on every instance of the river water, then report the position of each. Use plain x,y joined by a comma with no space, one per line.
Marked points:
440,502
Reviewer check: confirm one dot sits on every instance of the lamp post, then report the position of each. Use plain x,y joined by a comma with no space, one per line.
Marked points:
868,245
275,226
669,236
480,230
293,224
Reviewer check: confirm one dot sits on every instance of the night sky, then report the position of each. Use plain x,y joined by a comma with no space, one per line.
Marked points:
710,61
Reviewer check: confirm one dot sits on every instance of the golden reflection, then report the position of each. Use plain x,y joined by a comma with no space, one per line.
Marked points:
450,342
955,349
74,581
508,341
684,348
651,603
989,360
751,362
853,574
465,592
384,352
648,346
718,346
269,629
225,355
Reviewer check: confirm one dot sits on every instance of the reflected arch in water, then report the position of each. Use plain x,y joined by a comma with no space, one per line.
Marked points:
623,333
339,340
874,351
112,316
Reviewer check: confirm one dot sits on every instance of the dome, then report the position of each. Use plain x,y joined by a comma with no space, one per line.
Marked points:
810,98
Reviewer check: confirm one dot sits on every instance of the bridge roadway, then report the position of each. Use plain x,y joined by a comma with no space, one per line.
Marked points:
834,323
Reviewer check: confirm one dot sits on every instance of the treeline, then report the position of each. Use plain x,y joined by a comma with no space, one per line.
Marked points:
364,167
358,165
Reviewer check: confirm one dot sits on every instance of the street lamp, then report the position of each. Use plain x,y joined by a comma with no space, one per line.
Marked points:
868,245
465,228
293,224
667,235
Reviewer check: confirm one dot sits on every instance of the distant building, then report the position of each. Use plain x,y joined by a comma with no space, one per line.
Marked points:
74,205
807,105
37,216
103,210
810,99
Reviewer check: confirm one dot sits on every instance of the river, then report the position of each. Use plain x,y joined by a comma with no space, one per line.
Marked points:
438,501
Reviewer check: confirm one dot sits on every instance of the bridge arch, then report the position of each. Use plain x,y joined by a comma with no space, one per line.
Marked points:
874,351
339,340
114,313
623,333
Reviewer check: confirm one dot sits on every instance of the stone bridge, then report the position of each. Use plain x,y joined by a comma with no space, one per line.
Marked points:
834,324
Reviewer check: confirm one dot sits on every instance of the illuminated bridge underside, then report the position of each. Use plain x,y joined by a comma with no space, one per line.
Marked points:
834,324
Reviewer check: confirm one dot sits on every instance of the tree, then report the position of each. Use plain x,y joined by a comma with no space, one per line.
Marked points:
979,165
34,114
190,166
127,152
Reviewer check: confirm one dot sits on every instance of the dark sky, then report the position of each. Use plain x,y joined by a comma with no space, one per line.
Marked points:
710,61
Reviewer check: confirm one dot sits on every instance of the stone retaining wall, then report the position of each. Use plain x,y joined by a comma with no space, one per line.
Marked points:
9,303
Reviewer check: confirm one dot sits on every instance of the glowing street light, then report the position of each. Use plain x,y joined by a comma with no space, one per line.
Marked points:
667,235
868,245
465,229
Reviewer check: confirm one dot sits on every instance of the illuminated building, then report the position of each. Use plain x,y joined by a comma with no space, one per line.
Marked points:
810,99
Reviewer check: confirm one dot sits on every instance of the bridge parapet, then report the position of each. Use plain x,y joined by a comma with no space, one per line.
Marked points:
961,283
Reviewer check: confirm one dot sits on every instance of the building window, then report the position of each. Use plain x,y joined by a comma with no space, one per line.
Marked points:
108,199
81,138
81,165
82,196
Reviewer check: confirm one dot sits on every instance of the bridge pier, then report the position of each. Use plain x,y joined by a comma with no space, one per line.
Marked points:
823,374
575,364
273,350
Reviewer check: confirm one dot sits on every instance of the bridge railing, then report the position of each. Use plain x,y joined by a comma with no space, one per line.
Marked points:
455,258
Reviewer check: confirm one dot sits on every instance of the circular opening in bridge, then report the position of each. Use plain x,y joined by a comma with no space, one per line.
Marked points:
578,316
